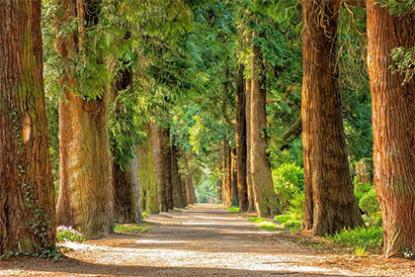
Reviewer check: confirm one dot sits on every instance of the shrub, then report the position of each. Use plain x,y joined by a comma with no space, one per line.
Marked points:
364,238
361,189
288,181
67,233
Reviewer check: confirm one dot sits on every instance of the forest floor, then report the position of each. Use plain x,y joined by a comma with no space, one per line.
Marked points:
203,240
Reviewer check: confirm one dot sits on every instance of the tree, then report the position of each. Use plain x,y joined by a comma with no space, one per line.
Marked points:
27,222
330,202
393,120
125,175
177,182
241,143
264,195
86,193
160,145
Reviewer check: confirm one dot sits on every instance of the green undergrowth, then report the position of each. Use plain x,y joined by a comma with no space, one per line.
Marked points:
360,239
144,214
131,228
264,223
291,222
234,210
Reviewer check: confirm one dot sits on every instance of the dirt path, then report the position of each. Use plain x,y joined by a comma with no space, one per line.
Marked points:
203,240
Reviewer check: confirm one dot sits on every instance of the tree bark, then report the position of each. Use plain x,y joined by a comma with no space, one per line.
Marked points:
178,190
330,201
158,136
125,180
393,119
147,176
241,154
264,194
127,194
234,179
169,171
26,188
86,195
250,191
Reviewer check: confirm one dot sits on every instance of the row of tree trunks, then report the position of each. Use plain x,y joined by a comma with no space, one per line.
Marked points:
26,188
263,189
147,176
330,201
241,143
393,115
86,193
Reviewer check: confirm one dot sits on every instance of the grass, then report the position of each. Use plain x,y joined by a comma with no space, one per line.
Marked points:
290,222
234,210
263,223
144,214
131,228
360,239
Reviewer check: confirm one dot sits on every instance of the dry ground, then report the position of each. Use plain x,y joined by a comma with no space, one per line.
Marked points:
202,240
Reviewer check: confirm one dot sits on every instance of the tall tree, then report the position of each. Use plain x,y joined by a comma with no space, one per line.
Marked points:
393,125
241,145
264,195
86,193
26,188
177,184
160,144
330,201
125,176
250,191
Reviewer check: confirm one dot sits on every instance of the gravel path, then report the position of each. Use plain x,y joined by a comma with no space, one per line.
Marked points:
203,240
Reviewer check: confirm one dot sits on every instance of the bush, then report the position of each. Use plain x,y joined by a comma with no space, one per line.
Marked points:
361,189
64,233
363,238
288,182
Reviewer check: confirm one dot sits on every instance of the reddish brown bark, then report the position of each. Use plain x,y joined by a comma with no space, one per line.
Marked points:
330,201
393,106
86,193
227,174
264,194
234,179
250,191
241,149
26,187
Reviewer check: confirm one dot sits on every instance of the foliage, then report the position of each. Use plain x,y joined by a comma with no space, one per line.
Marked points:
288,181
366,238
404,59
264,223
234,210
398,7
64,233
131,228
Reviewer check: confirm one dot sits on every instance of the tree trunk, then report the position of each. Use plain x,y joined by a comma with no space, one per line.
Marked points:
158,136
169,172
26,187
127,194
86,194
250,190
234,179
393,127
125,180
241,154
176,178
263,188
227,178
330,201
147,175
